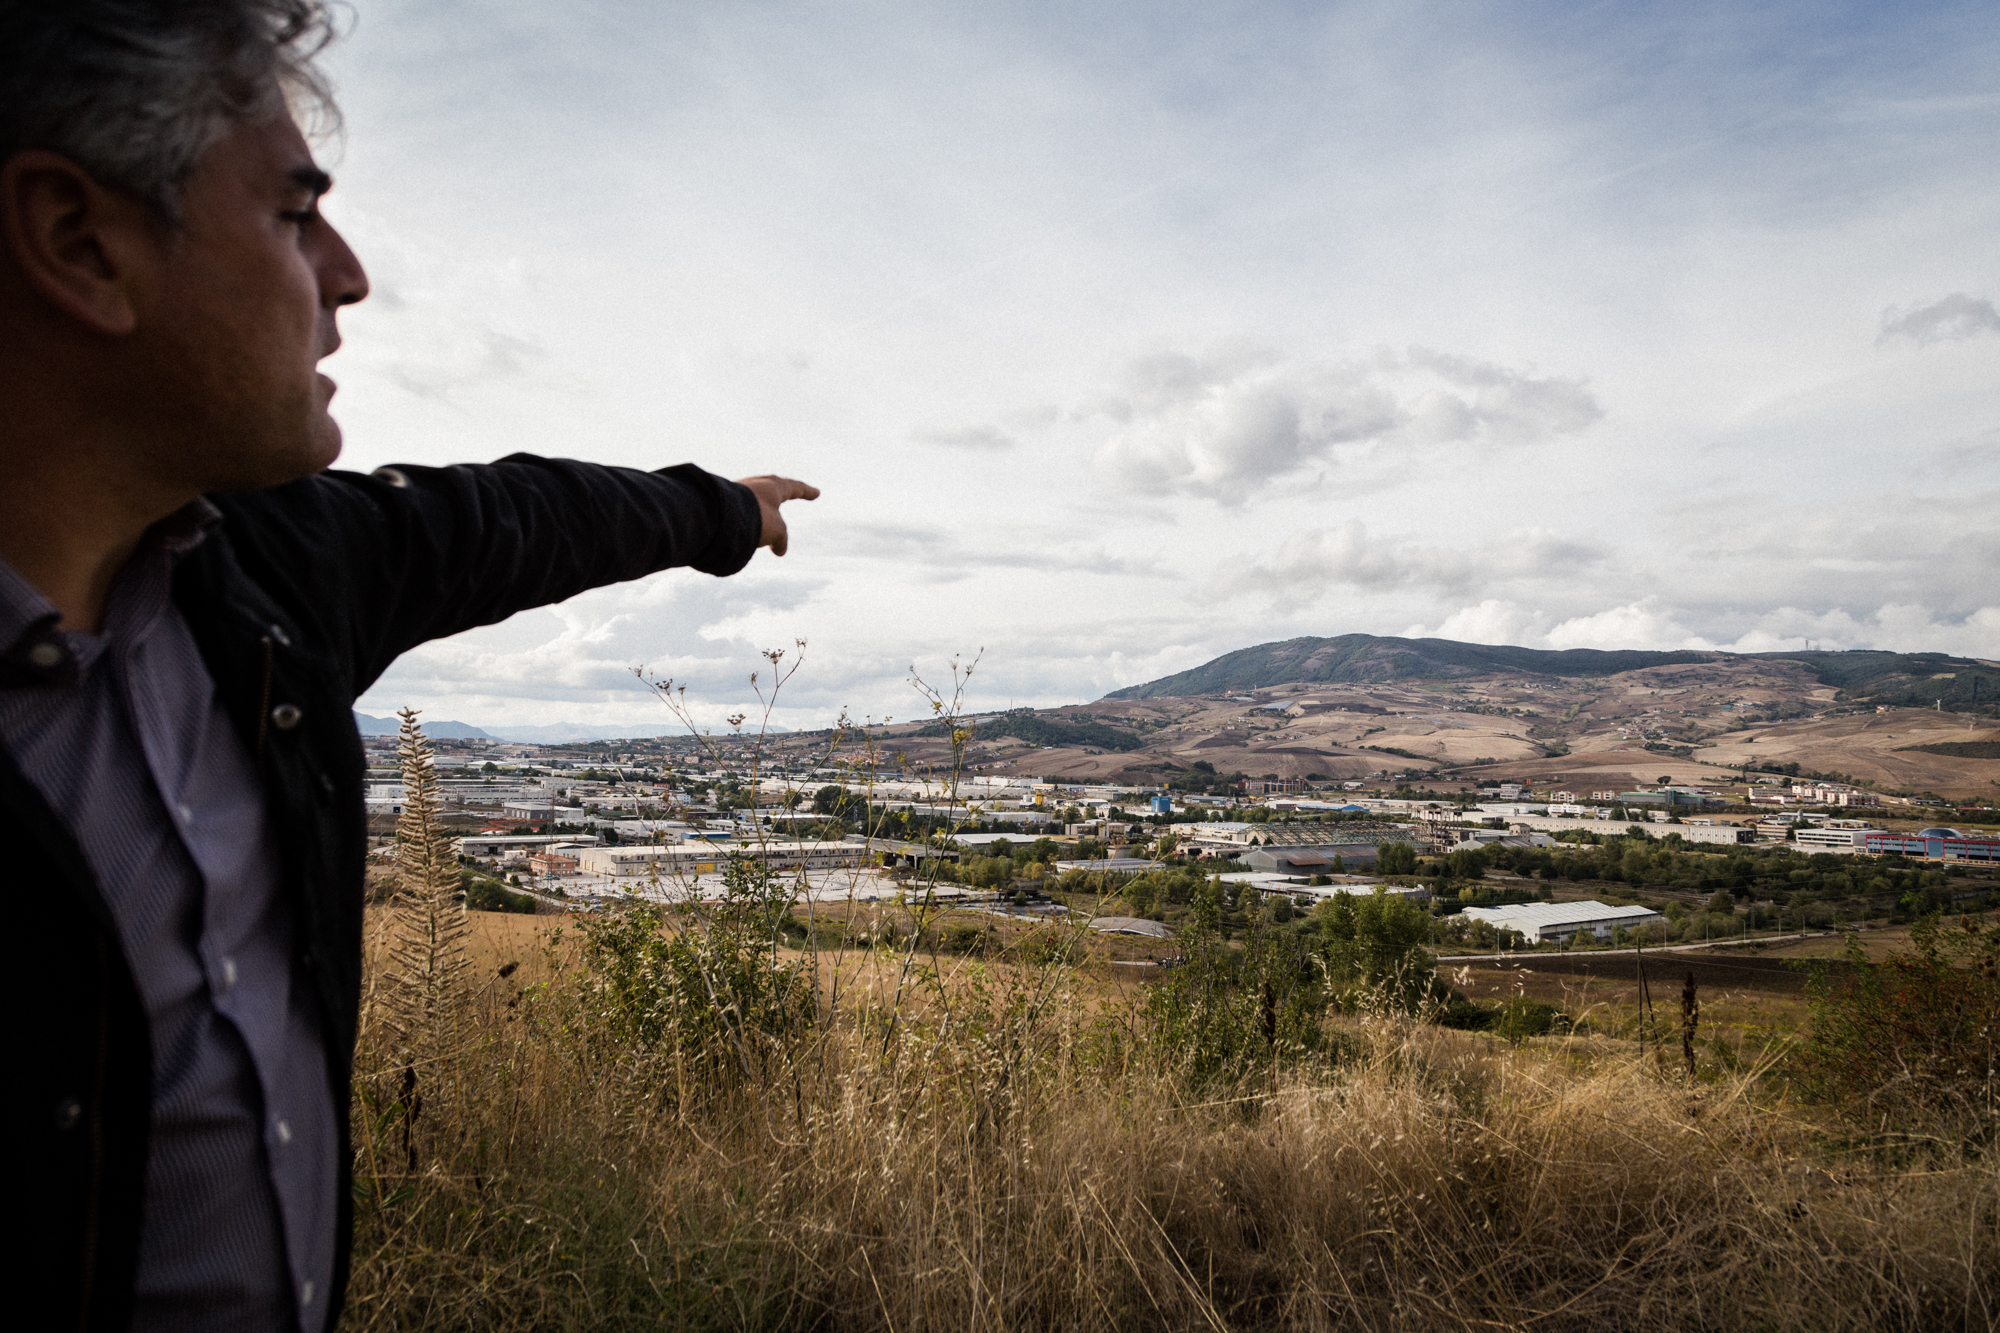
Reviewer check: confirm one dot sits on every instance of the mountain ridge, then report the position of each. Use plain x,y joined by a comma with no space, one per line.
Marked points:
1952,684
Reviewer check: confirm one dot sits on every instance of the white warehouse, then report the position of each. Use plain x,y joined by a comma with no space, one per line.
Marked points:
1540,923
677,859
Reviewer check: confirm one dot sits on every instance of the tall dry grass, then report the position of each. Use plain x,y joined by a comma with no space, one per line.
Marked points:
1013,1148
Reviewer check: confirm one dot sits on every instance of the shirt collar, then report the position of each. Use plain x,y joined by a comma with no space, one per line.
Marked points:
185,528
29,620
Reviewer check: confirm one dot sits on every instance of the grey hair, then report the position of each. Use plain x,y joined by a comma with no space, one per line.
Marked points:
136,91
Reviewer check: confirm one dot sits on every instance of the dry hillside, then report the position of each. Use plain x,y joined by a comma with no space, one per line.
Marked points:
1702,720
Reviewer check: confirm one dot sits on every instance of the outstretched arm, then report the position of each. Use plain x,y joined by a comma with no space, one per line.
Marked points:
408,554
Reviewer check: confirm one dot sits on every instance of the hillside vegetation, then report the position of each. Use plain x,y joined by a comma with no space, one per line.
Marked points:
1369,659
1920,680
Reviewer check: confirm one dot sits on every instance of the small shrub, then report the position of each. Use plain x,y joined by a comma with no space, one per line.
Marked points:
1465,1014
1521,1018
964,937
490,895
1914,1039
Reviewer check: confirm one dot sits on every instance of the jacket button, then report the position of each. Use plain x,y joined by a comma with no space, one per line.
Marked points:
286,716
68,1111
394,476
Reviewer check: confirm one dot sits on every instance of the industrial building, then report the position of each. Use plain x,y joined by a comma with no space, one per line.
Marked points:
1937,844
502,844
1840,836
1540,923
1300,861
1669,798
676,860
1723,834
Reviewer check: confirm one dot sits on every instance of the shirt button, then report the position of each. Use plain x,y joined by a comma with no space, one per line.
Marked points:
229,971
284,1132
45,655
305,1293
186,812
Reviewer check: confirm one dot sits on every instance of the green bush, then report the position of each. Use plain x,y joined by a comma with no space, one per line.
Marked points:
703,984
1521,1018
490,895
1914,1039
965,937
1467,1015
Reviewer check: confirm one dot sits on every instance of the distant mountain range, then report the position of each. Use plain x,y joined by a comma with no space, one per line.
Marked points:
555,733
1911,680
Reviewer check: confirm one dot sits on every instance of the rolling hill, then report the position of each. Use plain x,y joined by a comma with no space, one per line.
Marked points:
1909,680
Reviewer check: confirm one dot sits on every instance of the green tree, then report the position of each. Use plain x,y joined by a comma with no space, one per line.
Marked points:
1205,906
1378,942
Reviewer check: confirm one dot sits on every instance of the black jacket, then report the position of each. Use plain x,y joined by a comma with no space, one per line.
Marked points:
301,598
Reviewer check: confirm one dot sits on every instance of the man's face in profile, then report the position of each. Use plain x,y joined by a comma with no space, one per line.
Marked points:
247,291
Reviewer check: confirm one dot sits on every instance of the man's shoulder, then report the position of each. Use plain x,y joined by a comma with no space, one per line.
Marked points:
324,494
336,514
303,544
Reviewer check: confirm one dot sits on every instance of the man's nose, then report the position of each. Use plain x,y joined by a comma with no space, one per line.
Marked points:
342,280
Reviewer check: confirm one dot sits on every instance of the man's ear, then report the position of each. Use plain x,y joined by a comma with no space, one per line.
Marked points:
80,247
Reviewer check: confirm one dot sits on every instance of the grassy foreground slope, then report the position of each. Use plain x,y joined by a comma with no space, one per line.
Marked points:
663,1125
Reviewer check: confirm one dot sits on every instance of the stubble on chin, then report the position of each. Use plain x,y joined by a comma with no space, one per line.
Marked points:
226,422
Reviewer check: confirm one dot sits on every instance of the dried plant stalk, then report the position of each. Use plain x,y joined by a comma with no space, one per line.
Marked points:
425,985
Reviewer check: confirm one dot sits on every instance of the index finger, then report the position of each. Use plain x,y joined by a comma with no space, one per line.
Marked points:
791,489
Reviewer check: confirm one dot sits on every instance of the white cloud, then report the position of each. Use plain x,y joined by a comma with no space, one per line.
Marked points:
575,661
1956,317
1642,624
1491,621
1226,427
1307,562
1658,624
1307,566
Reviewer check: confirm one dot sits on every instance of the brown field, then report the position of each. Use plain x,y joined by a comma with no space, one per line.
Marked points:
1877,942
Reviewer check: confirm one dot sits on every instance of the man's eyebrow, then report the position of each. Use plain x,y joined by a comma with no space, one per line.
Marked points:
311,178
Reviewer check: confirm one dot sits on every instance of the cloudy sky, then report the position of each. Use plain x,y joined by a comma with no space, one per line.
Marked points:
1123,335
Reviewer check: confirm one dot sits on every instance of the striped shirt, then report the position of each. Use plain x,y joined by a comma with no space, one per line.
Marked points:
124,737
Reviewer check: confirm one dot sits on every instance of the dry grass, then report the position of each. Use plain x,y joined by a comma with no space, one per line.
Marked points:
1016,1158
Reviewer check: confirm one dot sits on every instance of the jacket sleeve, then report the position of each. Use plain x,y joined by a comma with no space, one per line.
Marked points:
384,562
